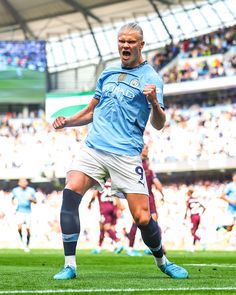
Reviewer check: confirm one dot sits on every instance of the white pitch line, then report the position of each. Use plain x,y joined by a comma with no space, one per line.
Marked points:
115,290
213,264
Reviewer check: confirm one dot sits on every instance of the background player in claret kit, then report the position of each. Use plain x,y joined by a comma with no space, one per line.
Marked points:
194,209
152,181
109,206
126,95
23,196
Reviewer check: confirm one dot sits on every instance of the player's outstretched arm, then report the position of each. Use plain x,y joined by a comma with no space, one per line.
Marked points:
158,186
158,116
228,200
94,196
83,117
33,200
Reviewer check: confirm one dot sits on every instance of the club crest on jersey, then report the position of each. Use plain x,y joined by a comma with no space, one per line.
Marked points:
134,82
122,77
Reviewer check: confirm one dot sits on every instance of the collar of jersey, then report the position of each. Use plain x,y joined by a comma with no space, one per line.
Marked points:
139,66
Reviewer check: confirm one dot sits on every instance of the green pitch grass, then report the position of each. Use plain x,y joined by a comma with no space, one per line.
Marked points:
107,273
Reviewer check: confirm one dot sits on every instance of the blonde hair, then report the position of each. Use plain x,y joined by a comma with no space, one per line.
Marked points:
133,27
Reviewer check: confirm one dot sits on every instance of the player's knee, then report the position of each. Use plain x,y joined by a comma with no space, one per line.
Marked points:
73,186
142,218
107,226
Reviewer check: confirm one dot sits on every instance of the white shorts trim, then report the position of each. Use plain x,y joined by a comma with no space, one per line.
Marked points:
126,172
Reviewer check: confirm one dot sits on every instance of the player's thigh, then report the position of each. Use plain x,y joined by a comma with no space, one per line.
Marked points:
79,182
89,162
20,219
107,226
127,174
139,207
105,221
27,220
106,217
114,218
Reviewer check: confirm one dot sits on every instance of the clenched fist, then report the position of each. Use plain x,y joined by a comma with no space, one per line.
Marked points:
150,92
59,122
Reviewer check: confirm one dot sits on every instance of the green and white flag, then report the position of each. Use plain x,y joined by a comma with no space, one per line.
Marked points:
66,104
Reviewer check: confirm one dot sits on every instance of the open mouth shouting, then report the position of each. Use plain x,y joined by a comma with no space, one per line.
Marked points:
126,54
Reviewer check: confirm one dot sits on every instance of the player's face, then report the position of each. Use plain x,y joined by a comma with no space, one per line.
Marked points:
130,46
23,183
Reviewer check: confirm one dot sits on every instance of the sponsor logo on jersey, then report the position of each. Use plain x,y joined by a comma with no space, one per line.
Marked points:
122,77
113,91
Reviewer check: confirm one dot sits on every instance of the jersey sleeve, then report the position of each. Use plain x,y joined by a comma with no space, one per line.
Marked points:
98,90
13,194
228,189
33,193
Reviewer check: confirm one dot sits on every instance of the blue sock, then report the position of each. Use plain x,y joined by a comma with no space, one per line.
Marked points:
69,219
152,237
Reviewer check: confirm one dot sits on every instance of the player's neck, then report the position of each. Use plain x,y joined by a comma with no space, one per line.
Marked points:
135,66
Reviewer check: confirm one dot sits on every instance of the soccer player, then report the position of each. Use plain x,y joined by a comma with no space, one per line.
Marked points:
152,181
23,196
125,96
229,196
108,210
195,209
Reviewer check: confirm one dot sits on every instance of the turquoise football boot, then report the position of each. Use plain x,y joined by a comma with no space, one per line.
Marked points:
67,273
174,271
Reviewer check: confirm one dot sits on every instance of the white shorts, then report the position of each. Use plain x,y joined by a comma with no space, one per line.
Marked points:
231,217
23,218
126,172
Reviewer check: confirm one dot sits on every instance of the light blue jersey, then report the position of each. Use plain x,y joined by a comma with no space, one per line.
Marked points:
230,191
22,196
122,113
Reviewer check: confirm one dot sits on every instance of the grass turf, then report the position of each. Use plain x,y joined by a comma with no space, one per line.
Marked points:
211,272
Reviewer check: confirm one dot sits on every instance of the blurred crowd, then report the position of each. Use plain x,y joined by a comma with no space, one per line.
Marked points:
207,132
28,54
175,225
32,148
200,57
201,68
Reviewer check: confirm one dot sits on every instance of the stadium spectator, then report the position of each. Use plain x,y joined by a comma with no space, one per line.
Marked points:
164,56
23,196
109,206
233,63
109,151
